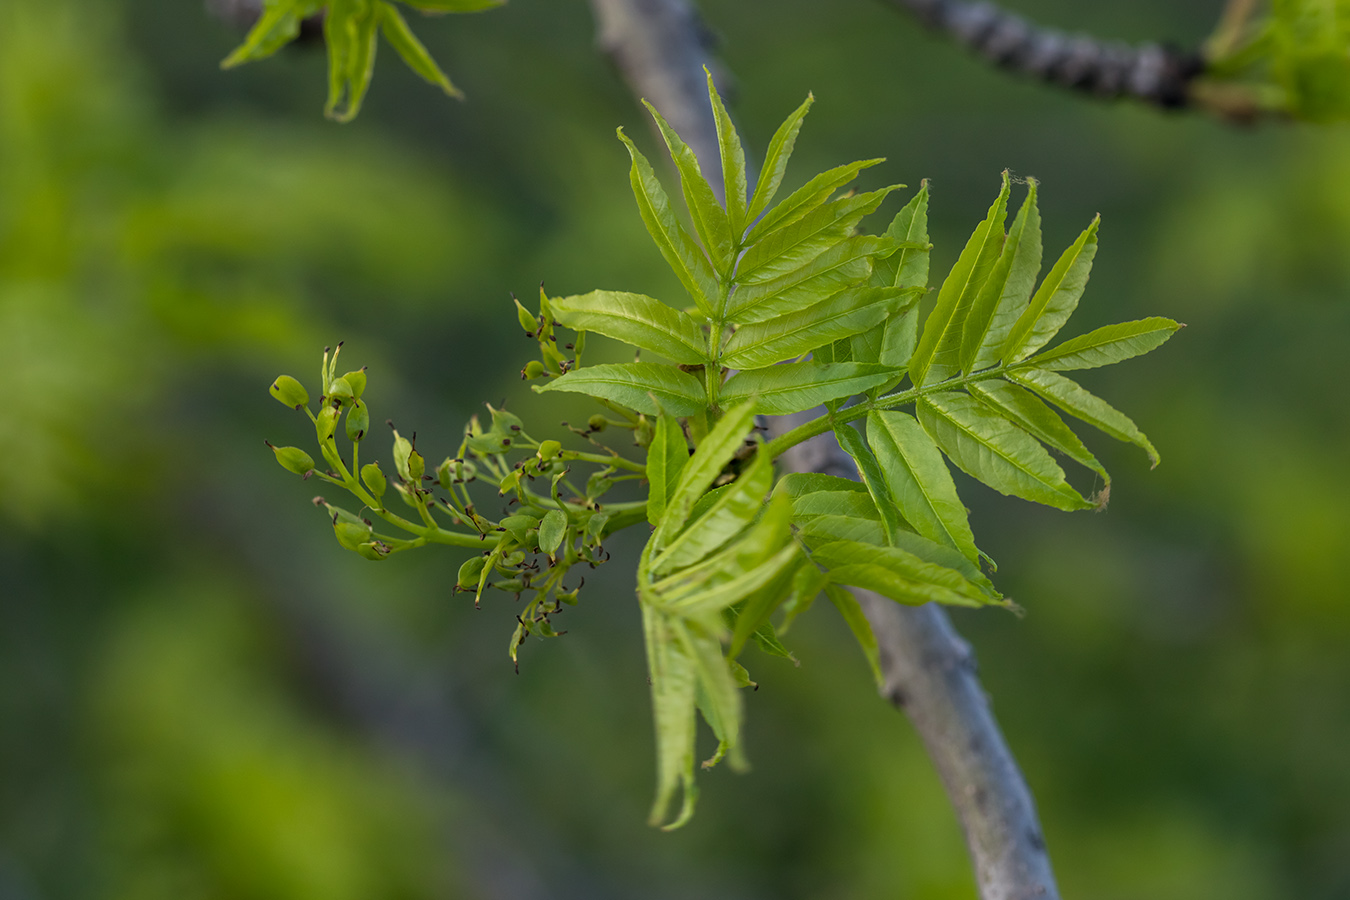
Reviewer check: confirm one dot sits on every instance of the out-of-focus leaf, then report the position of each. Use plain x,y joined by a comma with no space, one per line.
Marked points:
719,698
673,675
919,481
848,607
710,220
718,598
454,6
817,530
846,264
681,253
1078,402
733,163
634,385
776,160
1055,300
807,198
666,458
937,355
713,453
276,27
1007,291
915,577
1109,344
760,605
793,334
873,475
414,53
807,583
351,29
793,387
992,449
1037,419
727,517
635,319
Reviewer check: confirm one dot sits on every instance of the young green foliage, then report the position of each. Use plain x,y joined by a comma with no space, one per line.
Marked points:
350,30
788,308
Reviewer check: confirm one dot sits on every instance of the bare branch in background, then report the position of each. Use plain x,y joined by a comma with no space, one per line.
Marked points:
1153,73
660,48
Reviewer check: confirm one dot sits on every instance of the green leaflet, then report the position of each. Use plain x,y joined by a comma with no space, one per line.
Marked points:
807,583
793,387
718,697
671,669
873,476
728,516
350,29
401,38
798,484
992,449
849,504
666,457
713,453
635,319
646,387
937,355
919,481
276,27
681,253
795,245
720,596
906,268
800,332
1076,401
710,220
733,163
1007,291
454,6
807,198
848,607
881,580
776,159
1055,300
755,614
844,265
1109,344
817,530
930,580
1037,419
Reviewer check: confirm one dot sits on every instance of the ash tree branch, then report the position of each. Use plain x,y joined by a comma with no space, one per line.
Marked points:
660,47
1156,74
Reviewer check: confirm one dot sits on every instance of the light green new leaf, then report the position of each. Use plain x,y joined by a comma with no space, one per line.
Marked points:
805,199
635,319
634,385
276,27
817,530
1107,345
793,246
712,455
734,510
1076,401
1007,291
908,267
666,458
857,623
759,606
881,580
733,163
919,481
719,699
874,477
674,681
454,6
850,504
799,484
1037,419
681,253
843,266
992,449
796,333
401,38
350,29
776,160
1055,300
793,387
720,596
937,355
807,583
710,220
947,584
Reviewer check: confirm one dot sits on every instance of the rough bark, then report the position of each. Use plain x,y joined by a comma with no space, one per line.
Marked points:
929,670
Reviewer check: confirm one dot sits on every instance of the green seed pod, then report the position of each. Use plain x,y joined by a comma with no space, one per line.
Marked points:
549,449
340,390
445,473
533,369
469,573
293,459
417,467
519,528
374,479
507,563
643,435
290,392
357,381
467,471
509,483
510,585
326,423
527,321
597,422
375,550
358,421
403,449
410,496
351,535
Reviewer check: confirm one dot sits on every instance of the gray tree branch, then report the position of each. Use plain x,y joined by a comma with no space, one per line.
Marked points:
1153,73
929,670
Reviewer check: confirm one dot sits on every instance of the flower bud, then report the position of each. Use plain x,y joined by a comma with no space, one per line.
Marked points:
340,390
549,449
357,381
374,479
293,459
597,422
351,535
527,321
533,369
644,432
289,391
326,423
375,550
358,421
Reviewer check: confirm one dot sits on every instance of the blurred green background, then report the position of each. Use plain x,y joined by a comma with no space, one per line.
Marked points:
203,696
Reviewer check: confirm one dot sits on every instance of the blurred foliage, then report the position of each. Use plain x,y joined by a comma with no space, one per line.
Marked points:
178,645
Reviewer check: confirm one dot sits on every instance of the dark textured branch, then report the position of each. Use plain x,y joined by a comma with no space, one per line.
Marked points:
930,672
1153,73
